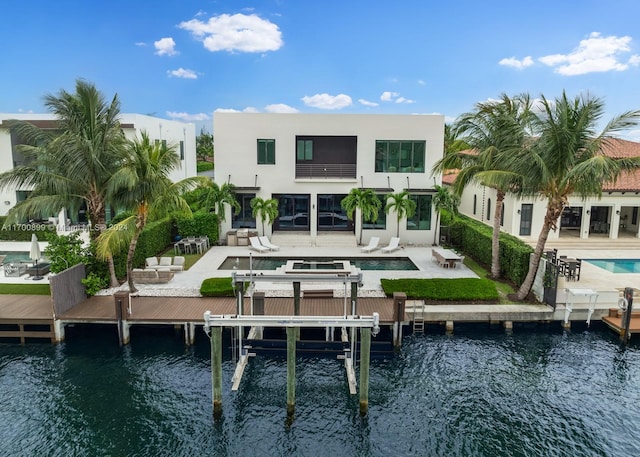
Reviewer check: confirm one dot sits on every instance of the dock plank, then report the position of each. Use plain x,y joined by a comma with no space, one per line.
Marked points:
26,307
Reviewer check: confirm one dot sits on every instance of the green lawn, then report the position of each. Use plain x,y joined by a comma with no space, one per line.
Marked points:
25,289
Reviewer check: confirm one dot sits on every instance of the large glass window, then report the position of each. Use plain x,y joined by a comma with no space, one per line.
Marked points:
331,216
400,156
304,149
293,212
244,219
266,152
381,222
181,150
421,220
526,216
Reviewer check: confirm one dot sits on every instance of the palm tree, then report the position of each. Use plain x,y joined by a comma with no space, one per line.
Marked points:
443,200
214,198
74,164
266,209
566,158
366,201
402,204
143,186
491,130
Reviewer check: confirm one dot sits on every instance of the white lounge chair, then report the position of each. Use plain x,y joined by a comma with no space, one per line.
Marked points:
265,242
255,244
373,244
393,245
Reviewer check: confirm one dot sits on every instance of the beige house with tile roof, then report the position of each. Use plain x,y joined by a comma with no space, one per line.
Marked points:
615,215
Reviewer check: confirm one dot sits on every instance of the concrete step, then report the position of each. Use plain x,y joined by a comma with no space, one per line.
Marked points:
323,239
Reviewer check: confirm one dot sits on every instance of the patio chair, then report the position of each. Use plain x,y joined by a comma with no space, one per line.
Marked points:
394,244
264,240
255,244
178,263
373,244
151,262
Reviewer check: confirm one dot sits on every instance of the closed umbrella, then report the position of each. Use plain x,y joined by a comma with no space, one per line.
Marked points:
35,255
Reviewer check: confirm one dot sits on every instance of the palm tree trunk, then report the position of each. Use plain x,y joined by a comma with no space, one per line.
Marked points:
361,225
495,237
435,229
132,250
97,213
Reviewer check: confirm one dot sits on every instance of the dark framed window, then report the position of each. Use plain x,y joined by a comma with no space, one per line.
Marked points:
181,150
244,218
421,220
304,150
393,156
266,152
475,204
526,216
502,215
488,209
634,216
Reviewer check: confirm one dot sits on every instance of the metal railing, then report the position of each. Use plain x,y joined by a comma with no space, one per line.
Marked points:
326,170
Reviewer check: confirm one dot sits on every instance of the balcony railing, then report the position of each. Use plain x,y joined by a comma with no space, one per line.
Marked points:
326,170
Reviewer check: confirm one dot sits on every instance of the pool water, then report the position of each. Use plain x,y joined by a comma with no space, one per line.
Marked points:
617,265
14,256
272,263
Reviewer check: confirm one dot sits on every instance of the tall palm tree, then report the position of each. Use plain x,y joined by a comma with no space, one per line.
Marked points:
491,130
214,198
267,210
402,204
443,200
143,186
73,164
566,158
364,200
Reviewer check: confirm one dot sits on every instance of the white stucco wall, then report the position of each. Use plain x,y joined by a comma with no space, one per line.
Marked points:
236,137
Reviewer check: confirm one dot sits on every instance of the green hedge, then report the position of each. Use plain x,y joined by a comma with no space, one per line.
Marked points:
455,289
23,232
204,166
217,287
155,238
474,238
199,224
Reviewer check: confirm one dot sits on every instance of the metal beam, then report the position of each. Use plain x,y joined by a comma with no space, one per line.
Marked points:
325,277
228,320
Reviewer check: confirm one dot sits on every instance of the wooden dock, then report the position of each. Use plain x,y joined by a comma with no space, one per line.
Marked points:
26,316
614,321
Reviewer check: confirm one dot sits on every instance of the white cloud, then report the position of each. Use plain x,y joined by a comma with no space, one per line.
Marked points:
140,43
364,102
183,73
594,54
634,60
394,97
326,101
248,109
280,108
237,32
422,82
165,46
388,96
515,63
186,117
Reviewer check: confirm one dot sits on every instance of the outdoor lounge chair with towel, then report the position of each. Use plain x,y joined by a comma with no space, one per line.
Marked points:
264,240
393,245
373,244
255,244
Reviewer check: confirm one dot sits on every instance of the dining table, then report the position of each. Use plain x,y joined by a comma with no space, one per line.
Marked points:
446,257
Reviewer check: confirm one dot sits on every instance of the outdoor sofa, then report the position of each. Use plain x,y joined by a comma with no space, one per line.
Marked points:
151,276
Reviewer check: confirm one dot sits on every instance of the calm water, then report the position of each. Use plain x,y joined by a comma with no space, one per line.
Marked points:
364,263
617,265
480,392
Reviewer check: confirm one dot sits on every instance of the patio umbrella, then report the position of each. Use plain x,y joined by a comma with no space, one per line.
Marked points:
34,254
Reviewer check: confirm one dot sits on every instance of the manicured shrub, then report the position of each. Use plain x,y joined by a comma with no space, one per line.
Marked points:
217,287
204,166
455,289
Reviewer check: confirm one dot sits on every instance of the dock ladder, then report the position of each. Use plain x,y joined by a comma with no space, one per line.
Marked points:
418,316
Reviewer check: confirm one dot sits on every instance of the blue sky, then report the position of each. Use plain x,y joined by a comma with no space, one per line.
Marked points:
185,59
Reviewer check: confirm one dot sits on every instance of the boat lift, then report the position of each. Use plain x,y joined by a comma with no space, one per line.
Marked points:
368,325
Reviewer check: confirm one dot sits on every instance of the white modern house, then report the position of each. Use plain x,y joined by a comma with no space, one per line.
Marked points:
310,162
178,134
614,215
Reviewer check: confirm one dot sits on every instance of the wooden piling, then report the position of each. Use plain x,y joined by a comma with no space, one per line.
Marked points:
122,312
399,300
292,333
365,359
625,335
216,370
449,327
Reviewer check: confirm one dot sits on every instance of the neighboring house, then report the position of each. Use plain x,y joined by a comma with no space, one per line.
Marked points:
310,162
178,134
614,215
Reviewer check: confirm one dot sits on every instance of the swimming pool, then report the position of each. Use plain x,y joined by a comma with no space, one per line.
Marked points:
617,265
364,263
14,256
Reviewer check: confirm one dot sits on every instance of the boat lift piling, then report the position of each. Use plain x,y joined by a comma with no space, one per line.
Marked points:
625,334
